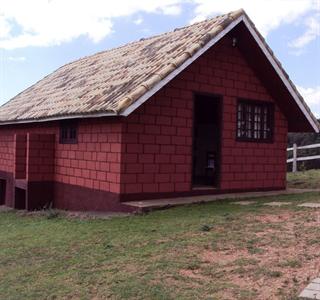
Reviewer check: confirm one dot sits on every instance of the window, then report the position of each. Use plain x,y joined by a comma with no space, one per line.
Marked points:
255,121
68,132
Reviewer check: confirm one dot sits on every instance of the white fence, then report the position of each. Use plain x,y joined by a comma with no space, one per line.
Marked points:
295,157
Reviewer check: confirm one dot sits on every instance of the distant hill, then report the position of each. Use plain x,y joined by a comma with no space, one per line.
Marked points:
302,139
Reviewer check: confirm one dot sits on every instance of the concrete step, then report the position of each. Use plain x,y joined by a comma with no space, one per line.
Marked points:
153,204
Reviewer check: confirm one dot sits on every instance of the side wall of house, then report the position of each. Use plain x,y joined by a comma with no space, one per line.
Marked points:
158,135
86,174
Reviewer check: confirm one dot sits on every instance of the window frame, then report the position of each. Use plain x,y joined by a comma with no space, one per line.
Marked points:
270,120
71,130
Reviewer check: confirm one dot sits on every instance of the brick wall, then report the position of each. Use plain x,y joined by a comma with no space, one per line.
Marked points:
20,156
6,150
94,162
158,136
40,156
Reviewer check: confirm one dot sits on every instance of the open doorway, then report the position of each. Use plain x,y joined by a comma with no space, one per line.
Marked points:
206,141
3,184
20,198
20,156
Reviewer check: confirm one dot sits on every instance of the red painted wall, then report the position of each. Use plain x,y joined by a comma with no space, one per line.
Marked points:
94,162
6,150
151,150
158,136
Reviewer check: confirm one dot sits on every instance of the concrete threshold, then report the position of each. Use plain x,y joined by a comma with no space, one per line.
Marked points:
147,205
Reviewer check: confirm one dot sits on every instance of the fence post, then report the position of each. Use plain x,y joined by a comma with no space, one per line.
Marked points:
294,162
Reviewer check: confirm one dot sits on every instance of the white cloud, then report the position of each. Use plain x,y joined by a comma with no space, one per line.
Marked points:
138,21
312,32
4,27
52,22
47,23
312,97
173,10
266,14
17,58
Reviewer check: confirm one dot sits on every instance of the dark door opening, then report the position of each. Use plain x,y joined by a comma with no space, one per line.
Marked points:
2,191
20,156
20,198
206,141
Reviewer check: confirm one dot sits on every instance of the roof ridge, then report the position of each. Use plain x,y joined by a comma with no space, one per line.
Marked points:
235,12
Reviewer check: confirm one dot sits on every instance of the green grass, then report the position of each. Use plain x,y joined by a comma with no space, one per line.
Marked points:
305,179
179,253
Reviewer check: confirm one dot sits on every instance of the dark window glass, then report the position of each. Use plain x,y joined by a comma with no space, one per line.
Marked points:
254,121
68,132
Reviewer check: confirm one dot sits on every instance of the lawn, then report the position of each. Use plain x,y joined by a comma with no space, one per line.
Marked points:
210,251
306,179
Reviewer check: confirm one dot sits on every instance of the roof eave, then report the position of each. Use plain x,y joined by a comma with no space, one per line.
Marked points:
60,118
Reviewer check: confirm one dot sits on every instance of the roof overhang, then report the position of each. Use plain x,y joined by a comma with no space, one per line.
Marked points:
61,118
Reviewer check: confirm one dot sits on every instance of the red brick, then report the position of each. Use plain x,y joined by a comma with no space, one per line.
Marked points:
115,147
151,148
146,139
133,188
163,120
145,178
134,168
128,178
166,187
129,158
153,129
166,149
101,156
146,158
167,168
162,158
150,188
134,148
162,178
163,139
151,168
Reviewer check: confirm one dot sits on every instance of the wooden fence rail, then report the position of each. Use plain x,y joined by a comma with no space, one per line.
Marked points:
295,157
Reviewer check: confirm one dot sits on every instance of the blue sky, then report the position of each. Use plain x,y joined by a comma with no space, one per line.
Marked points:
38,36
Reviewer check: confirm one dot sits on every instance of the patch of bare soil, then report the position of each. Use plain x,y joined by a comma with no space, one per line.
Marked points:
222,257
273,218
288,258
274,275
194,274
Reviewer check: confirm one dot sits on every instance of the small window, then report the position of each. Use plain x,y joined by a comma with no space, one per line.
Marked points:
255,121
68,133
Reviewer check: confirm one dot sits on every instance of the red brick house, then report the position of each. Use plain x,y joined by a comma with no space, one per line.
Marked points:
203,109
